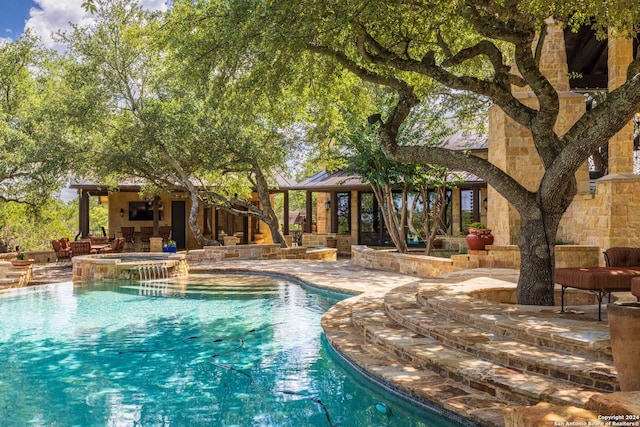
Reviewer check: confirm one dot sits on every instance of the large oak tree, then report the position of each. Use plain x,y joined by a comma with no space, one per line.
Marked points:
465,45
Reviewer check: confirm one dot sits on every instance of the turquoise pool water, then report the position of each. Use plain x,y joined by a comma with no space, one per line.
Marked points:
220,350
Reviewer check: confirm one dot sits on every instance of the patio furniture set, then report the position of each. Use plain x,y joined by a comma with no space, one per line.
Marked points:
621,274
65,249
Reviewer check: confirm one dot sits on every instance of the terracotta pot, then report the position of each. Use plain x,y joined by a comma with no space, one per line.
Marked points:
332,243
477,239
624,327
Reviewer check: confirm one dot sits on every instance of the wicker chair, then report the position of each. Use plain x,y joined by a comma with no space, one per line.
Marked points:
81,247
117,246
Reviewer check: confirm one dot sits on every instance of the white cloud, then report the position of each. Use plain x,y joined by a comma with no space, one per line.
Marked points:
52,16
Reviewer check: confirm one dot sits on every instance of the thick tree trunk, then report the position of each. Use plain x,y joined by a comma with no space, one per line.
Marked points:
193,221
267,214
537,249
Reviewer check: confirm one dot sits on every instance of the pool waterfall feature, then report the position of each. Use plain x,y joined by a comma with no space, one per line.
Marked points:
129,266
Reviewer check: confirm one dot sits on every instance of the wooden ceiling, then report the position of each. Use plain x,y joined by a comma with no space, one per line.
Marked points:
587,56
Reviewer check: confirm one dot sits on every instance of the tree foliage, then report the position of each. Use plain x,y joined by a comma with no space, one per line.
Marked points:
363,155
478,47
33,135
207,128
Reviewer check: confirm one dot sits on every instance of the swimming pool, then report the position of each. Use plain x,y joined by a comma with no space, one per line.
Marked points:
210,350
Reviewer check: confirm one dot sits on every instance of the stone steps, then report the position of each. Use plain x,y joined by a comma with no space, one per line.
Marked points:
580,369
543,328
495,380
447,396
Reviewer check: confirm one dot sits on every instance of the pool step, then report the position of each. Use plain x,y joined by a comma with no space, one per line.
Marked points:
506,384
492,344
584,336
446,396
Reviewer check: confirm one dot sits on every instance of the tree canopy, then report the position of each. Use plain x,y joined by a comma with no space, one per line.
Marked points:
467,46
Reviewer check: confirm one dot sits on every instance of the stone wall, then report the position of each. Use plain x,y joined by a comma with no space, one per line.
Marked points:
39,257
506,256
320,239
267,251
609,217
389,260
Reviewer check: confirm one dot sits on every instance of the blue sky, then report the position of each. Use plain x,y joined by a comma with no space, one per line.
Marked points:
13,14
46,17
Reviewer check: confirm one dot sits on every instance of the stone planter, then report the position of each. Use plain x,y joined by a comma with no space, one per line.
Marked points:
624,327
22,262
478,238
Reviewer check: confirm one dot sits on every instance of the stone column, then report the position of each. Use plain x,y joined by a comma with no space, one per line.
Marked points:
155,244
511,145
621,145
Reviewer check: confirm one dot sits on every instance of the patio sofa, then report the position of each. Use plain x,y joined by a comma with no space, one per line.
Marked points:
622,266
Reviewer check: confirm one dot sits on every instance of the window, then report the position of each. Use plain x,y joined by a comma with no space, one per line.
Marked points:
344,212
469,207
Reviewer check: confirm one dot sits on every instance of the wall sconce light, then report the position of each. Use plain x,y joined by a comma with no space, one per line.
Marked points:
121,212
485,203
327,204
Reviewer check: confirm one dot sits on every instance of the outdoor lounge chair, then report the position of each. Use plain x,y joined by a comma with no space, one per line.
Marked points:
117,246
62,254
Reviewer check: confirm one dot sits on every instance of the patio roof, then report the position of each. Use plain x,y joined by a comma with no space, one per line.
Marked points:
342,181
283,183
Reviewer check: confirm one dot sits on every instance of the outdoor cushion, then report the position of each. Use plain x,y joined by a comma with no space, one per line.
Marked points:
596,278
622,257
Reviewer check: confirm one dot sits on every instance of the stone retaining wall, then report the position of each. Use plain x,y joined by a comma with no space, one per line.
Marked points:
507,256
40,257
261,251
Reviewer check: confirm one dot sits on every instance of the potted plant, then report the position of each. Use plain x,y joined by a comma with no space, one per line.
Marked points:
171,246
332,242
479,236
21,260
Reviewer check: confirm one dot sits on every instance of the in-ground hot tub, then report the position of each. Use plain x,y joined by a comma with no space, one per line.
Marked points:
129,266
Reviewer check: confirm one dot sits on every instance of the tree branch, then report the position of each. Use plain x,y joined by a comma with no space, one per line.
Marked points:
501,94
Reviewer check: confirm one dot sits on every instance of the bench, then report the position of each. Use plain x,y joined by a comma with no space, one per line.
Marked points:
622,266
